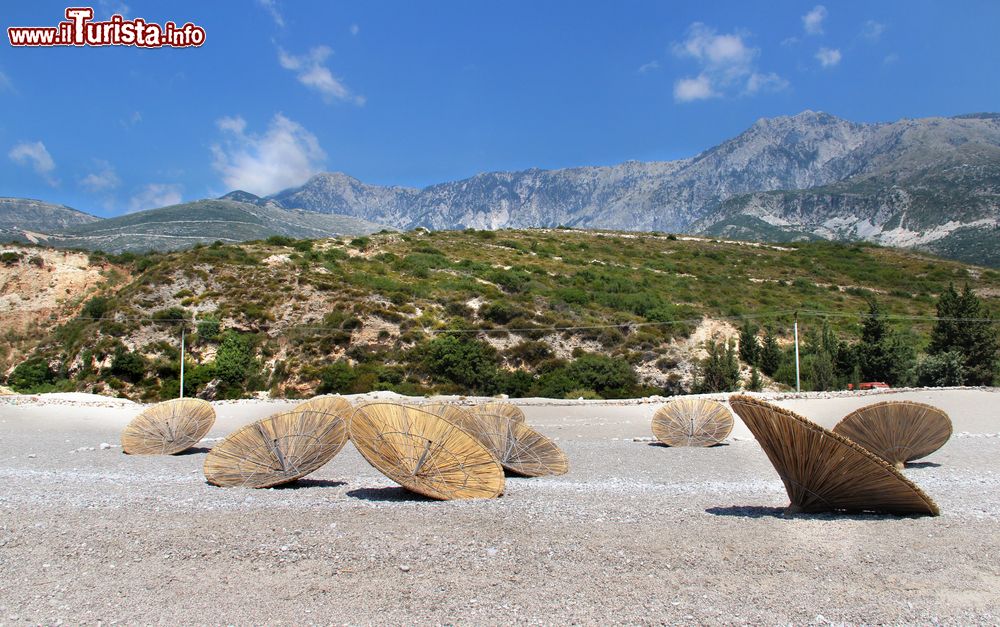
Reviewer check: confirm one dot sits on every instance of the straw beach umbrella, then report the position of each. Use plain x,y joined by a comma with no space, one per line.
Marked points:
454,414
823,471
328,404
503,408
168,427
692,422
517,447
897,431
278,449
425,453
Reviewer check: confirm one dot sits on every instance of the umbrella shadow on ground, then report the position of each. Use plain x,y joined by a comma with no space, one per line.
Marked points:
304,483
922,465
757,511
662,445
396,494
194,450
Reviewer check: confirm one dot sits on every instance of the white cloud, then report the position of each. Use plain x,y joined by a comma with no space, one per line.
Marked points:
649,67
235,124
284,156
35,155
355,29
890,59
727,62
310,71
764,83
107,8
691,89
156,195
5,84
131,120
104,178
271,6
828,57
813,20
872,30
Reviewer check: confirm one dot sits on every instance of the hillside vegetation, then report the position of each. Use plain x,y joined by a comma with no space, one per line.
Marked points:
553,312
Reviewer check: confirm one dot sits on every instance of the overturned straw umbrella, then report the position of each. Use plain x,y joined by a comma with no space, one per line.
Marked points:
425,453
168,427
451,412
823,471
502,408
897,431
692,422
518,447
276,450
327,404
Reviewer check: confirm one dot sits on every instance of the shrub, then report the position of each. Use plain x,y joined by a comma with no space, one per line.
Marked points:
31,374
338,377
235,363
470,363
96,307
209,329
127,365
942,369
610,377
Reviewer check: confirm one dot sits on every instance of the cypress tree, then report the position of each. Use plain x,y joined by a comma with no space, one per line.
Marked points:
749,345
770,354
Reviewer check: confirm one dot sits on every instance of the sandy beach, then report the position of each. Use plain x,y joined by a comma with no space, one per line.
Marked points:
635,533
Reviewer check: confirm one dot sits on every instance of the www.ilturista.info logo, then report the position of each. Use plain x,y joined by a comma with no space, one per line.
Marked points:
79,29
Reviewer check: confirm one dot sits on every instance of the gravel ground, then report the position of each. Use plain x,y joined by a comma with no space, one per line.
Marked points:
635,533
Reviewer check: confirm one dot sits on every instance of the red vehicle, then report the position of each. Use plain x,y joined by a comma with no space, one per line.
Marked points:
870,385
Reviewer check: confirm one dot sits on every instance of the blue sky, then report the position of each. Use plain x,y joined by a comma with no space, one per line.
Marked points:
414,93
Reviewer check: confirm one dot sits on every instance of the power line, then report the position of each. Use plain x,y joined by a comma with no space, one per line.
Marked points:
596,327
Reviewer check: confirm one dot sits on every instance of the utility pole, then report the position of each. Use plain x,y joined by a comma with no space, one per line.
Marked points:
182,359
798,386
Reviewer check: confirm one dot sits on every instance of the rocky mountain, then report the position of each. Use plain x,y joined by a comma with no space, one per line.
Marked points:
931,177
21,219
933,184
204,221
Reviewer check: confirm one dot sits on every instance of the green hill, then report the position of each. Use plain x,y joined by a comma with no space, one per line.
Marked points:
551,312
203,221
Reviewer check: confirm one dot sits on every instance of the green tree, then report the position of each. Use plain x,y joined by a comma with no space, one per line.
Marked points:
31,374
467,362
941,369
337,377
882,354
720,370
127,365
235,362
770,354
749,345
755,384
964,326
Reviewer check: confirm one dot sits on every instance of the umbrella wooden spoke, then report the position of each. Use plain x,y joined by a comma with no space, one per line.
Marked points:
692,422
897,431
169,427
823,471
276,450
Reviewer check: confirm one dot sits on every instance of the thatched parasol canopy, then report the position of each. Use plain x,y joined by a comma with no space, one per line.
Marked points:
454,414
823,471
278,449
897,431
692,422
503,408
517,447
328,404
425,453
168,427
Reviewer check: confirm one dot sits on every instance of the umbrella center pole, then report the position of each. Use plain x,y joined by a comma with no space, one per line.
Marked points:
423,458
